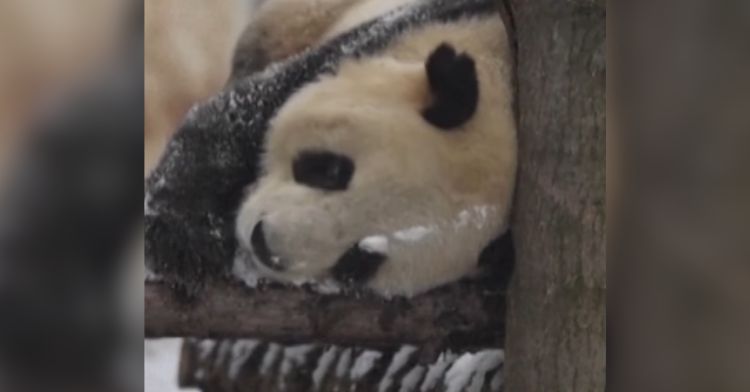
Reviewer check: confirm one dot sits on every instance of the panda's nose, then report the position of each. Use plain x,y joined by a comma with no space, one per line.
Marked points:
261,249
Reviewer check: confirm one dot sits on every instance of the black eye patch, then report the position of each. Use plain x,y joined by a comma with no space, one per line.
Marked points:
323,170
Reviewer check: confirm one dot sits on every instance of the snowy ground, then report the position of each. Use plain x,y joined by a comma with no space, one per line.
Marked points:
160,365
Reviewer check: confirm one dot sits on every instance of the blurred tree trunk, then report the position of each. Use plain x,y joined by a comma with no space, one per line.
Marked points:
556,317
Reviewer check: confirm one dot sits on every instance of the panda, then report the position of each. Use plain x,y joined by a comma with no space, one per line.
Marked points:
406,103
393,173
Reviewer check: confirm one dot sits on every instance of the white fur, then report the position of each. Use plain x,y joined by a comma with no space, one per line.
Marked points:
432,199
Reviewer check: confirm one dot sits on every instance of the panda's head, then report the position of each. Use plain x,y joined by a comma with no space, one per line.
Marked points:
393,175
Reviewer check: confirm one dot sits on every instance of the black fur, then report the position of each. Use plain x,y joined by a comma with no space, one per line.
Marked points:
497,261
455,88
357,266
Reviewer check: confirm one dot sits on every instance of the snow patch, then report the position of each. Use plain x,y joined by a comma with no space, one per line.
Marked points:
344,362
436,371
414,234
398,361
476,216
160,366
223,353
497,381
245,271
205,347
363,364
410,381
242,269
269,359
375,244
241,352
324,363
151,276
468,372
294,356
147,210
490,360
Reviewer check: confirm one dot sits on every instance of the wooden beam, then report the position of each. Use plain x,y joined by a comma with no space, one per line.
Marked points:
463,315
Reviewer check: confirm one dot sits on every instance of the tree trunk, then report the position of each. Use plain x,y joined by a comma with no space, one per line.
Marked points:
556,311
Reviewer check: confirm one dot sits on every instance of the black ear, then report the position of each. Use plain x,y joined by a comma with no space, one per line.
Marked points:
454,85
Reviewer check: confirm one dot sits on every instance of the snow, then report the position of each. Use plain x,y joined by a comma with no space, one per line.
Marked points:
151,276
436,371
222,354
294,356
241,352
375,244
398,361
459,374
344,362
476,215
468,372
410,381
147,210
160,366
326,287
491,360
364,364
269,359
414,234
244,269
497,381
204,349
324,363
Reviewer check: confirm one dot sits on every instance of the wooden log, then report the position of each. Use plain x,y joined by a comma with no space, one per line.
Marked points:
463,315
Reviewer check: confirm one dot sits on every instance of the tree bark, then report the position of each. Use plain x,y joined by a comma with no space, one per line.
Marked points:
556,311
459,316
